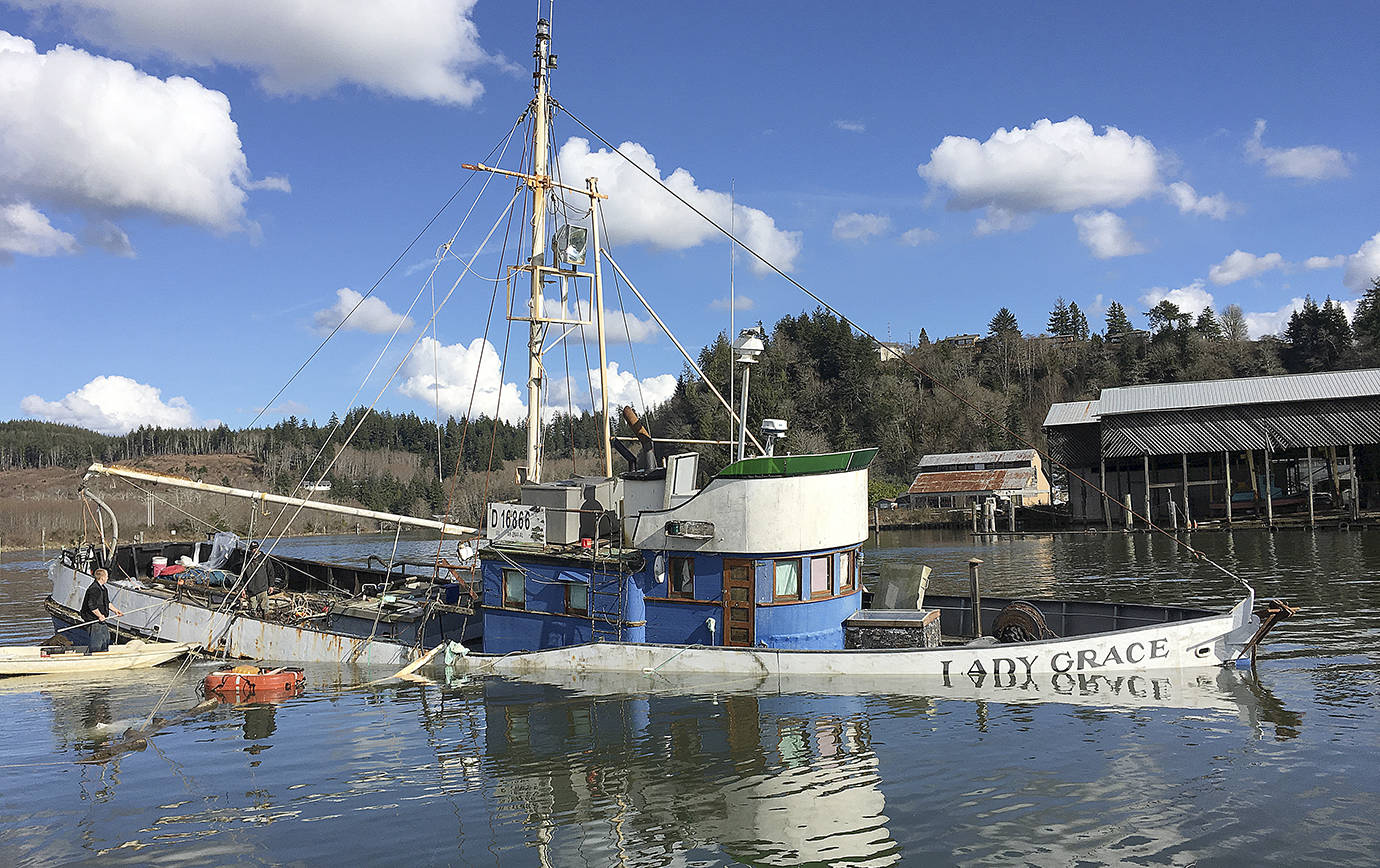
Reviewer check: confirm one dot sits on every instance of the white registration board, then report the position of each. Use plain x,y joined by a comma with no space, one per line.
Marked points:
516,522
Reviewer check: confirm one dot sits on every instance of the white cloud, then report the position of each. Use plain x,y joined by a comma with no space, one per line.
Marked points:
1308,162
1064,166
626,389
1315,263
1363,265
1240,265
421,49
917,236
851,126
996,220
372,316
113,405
638,212
1189,299
619,328
1187,200
852,226
97,136
569,394
108,237
451,373
1106,235
26,231
1275,322
740,302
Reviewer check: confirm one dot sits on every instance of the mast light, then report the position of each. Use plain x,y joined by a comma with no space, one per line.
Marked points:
569,244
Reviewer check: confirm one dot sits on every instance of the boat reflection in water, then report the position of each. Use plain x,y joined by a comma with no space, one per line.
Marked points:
765,780
768,771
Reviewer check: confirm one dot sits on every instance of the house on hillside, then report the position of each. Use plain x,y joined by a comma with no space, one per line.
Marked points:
962,340
1223,449
888,351
957,479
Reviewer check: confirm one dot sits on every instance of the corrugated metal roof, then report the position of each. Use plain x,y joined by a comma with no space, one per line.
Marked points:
978,457
1216,429
973,481
1072,413
1249,390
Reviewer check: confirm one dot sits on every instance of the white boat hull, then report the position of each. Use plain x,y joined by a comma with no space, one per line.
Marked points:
1214,640
133,655
155,616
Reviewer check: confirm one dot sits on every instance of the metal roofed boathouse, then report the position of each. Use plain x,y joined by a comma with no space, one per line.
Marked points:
1295,447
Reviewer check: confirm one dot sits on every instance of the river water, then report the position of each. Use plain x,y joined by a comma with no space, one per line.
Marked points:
1207,767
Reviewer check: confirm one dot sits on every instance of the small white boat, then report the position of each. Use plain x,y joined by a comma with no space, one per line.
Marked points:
52,659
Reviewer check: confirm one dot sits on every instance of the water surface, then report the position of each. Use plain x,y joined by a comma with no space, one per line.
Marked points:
1211,767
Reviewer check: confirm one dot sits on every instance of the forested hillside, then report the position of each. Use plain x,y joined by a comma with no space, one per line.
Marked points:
827,382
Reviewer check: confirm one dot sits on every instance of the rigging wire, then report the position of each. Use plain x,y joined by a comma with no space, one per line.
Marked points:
1196,553
307,473
622,308
381,278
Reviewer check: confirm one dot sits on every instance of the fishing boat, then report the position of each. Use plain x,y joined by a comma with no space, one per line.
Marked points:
755,568
757,571
55,659
320,611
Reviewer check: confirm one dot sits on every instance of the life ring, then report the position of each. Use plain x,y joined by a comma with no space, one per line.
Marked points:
246,681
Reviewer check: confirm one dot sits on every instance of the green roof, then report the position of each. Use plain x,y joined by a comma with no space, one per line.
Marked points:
799,465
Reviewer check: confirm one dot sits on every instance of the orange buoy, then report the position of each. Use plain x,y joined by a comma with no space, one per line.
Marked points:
246,681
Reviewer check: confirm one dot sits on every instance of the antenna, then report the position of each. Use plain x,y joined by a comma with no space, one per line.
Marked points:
732,293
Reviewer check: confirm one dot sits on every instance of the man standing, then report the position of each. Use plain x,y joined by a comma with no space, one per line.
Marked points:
95,607
257,584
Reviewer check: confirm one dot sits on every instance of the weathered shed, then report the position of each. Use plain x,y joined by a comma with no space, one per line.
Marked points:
956,479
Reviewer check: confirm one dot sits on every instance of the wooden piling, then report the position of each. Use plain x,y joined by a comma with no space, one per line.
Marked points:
1355,489
1310,487
1106,513
1226,457
975,594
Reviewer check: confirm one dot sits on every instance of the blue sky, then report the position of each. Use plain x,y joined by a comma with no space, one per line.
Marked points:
190,189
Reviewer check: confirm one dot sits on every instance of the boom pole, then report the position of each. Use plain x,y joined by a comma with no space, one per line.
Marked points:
265,497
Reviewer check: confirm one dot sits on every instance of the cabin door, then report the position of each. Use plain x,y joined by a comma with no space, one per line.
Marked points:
738,576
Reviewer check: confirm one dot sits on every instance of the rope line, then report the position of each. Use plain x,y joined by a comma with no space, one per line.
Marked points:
1196,553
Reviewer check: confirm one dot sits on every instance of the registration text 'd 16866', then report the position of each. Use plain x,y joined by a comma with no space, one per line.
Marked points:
515,522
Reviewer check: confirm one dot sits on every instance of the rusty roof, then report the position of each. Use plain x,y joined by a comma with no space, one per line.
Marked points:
973,481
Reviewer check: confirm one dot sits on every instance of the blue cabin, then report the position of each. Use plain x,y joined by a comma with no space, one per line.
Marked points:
766,555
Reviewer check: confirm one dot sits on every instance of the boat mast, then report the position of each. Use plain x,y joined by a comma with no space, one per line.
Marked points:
541,144
604,425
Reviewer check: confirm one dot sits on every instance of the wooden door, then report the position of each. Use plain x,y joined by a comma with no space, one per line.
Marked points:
738,580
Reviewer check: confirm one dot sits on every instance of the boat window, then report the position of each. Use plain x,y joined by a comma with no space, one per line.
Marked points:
787,586
847,576
821,576
576,599
683,578
514,589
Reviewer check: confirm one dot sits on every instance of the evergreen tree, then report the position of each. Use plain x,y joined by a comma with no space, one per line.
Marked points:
1078,323
1367,324
1060,322
1208,326
1319,338
1118,323
924,339
1003,323
1166,316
